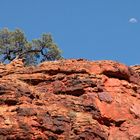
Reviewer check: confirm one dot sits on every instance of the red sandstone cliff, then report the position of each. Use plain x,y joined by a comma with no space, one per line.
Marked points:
69,100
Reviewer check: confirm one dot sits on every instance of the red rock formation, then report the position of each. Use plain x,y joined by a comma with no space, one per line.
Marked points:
136,68
69,100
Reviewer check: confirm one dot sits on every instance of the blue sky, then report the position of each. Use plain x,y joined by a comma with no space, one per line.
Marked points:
91,29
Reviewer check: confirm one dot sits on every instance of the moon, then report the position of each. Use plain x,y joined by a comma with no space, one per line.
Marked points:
133,20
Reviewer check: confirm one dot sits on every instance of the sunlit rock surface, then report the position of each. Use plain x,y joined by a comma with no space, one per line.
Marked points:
69,100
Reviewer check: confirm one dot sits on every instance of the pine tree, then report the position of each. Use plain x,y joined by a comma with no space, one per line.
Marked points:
14,44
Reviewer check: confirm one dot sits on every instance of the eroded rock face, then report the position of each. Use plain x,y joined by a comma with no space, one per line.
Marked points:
136,68
69,100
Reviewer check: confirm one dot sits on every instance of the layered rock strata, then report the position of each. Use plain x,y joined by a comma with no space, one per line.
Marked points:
69,100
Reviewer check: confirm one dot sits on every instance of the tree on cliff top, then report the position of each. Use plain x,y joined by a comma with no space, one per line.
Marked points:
14,44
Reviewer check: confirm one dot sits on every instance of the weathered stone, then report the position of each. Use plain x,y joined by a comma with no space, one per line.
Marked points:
69,100
104,96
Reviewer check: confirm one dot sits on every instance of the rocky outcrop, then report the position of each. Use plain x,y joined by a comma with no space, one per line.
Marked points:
136,68
69,100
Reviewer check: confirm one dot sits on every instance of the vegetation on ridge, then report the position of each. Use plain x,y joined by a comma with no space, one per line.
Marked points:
13,44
